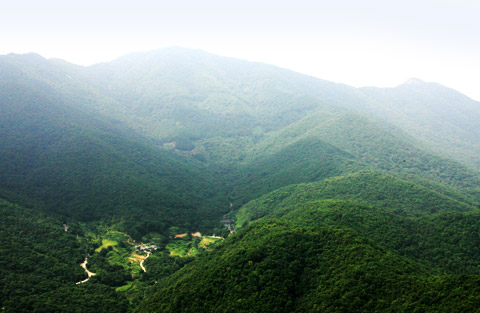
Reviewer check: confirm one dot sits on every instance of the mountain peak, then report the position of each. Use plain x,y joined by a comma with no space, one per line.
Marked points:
26,56
413,81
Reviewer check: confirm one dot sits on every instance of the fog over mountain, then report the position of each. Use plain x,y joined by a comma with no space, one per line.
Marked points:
191,182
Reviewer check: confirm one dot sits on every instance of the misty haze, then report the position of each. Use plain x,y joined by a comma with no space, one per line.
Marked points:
234,176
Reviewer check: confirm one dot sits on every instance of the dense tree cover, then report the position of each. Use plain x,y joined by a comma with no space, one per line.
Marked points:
373,142
197,90
174,139
381,190
448,241
303,161
275,266
113,275
84,167
444,119
73,298
40,265
161,265
194,96
61,152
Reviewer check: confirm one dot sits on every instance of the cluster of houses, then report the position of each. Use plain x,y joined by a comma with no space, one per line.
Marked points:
146,248
229,224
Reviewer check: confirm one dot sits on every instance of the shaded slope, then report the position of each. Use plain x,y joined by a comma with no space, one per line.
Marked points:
190,95
76,162
40,265
306,160
193,99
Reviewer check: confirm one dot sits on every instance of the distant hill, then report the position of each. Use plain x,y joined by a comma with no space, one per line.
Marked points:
304,160
371,142
178,91
444,119
181,92
203,103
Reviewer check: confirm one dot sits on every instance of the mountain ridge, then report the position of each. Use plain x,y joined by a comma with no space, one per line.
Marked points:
335,189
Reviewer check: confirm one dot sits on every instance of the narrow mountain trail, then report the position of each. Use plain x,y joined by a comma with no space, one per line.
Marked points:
89,274
141,263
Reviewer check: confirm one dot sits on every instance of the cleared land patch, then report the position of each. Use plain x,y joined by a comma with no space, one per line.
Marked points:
106,243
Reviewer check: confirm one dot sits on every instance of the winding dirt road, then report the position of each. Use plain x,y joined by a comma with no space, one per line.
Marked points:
141,263
89,274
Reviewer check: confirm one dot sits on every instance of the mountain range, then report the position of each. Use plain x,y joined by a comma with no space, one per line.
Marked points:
345,199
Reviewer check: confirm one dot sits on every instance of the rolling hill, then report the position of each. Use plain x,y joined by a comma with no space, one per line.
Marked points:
392,194
276,266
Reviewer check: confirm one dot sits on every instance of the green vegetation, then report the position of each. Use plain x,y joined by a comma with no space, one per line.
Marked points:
303,161
347,200
190,246
59,158
372,142
446,241
40,265
384,191
183,247
425,110
276,266
105,244
209,242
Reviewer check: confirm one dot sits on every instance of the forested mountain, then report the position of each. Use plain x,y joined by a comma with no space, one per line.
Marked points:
345,195
64,157
188,91
78,164
323,145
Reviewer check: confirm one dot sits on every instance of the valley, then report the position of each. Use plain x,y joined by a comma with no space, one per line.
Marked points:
180,181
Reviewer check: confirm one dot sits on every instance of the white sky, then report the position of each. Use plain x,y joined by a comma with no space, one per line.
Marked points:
359,43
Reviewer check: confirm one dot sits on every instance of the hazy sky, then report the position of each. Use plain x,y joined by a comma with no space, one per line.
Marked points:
359,43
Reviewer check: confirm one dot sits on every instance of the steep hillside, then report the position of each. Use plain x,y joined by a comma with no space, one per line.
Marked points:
305,160
75,162
155,146
283,267
223,110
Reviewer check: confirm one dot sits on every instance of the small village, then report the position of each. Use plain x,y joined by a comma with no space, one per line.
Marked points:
146,248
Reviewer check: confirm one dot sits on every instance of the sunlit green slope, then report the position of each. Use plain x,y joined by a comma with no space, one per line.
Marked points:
275,266
392,194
